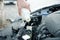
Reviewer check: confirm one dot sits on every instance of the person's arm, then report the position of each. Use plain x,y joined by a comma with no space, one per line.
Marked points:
22,4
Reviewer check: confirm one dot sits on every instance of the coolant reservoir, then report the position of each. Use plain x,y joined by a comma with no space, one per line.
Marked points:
25,14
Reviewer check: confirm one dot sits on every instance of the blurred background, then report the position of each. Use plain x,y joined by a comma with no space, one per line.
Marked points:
13,11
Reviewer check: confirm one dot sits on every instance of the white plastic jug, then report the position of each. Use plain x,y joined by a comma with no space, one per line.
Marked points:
25,14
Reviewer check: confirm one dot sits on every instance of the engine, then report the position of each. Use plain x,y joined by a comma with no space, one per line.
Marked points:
36,29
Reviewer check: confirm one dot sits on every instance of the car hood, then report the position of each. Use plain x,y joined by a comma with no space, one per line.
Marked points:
38,4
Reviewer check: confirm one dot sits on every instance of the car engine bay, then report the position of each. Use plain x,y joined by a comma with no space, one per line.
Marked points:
33,30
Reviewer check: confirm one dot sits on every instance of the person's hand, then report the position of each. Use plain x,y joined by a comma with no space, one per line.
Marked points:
22,4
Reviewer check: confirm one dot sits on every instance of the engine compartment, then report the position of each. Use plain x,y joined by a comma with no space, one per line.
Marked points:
38,29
